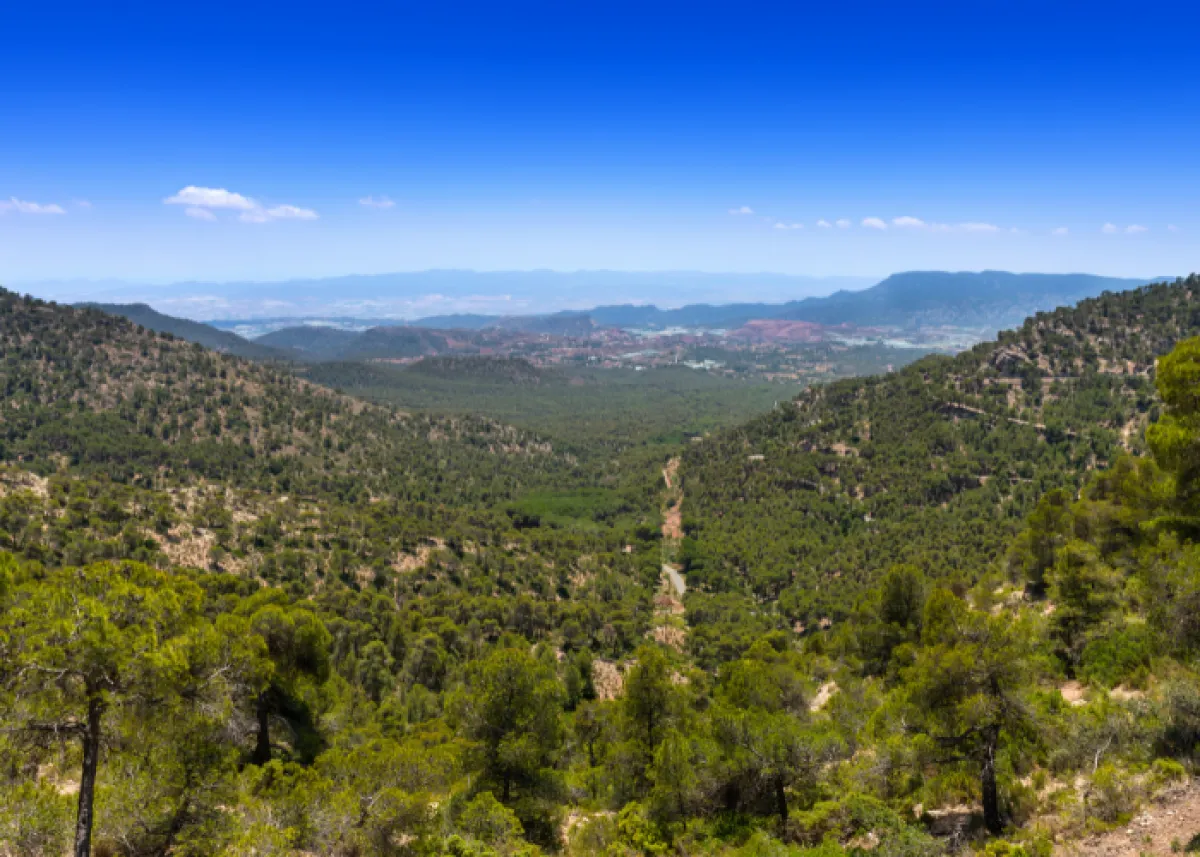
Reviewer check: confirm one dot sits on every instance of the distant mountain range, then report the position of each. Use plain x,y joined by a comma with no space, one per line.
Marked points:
988,301
408,295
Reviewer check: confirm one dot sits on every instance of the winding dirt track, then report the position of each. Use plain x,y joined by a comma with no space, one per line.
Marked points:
672,525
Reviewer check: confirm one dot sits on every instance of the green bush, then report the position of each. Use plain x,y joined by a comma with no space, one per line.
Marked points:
1166,771
1110,798
1120,657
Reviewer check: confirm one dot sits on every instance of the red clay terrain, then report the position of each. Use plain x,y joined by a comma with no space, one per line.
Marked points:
778,330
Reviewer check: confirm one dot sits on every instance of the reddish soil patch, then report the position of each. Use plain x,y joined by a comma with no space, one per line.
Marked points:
669,473
672,527
775,329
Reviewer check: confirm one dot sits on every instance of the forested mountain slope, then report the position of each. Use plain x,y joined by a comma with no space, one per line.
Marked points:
123,443
595,413
937,464
193,331
312,342
101,395
442,664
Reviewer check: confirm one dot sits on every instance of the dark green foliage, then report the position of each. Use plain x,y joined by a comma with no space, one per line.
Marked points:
592,412
936,465
358,633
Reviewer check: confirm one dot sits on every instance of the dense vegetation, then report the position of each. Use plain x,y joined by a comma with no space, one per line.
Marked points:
100,395
591,411
327,343
937,464
242,614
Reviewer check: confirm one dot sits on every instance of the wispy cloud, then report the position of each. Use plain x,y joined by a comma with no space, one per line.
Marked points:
203,202
745,209
1062,230
24,206
291,212
909,222
372,202
823,223
1171,227
1135,228
789,225
843,223
199,213
1109,229
873,223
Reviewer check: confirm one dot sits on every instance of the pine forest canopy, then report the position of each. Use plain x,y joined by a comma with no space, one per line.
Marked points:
949,607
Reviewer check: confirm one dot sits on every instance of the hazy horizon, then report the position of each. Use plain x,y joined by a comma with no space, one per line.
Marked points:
417,294
411,295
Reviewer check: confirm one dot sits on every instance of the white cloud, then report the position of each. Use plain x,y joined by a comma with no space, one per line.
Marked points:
1135,228
910,222
745,209
789,225
1109,229
843,223
1171,227
1062,230
211,197
873,223
978,227
199,213
201,202
823,223
372,202
26,207
291,212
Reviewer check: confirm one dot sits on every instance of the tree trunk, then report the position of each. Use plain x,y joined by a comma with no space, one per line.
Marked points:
262,747
781,801
87,781
991,799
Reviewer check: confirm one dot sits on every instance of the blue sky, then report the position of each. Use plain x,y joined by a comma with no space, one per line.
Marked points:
568,135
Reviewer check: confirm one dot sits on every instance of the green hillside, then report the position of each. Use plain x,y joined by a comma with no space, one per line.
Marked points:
244,614
593,412
98,394
192,331
938,463
318,343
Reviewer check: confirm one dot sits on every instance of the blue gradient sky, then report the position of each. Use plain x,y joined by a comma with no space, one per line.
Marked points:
602,135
